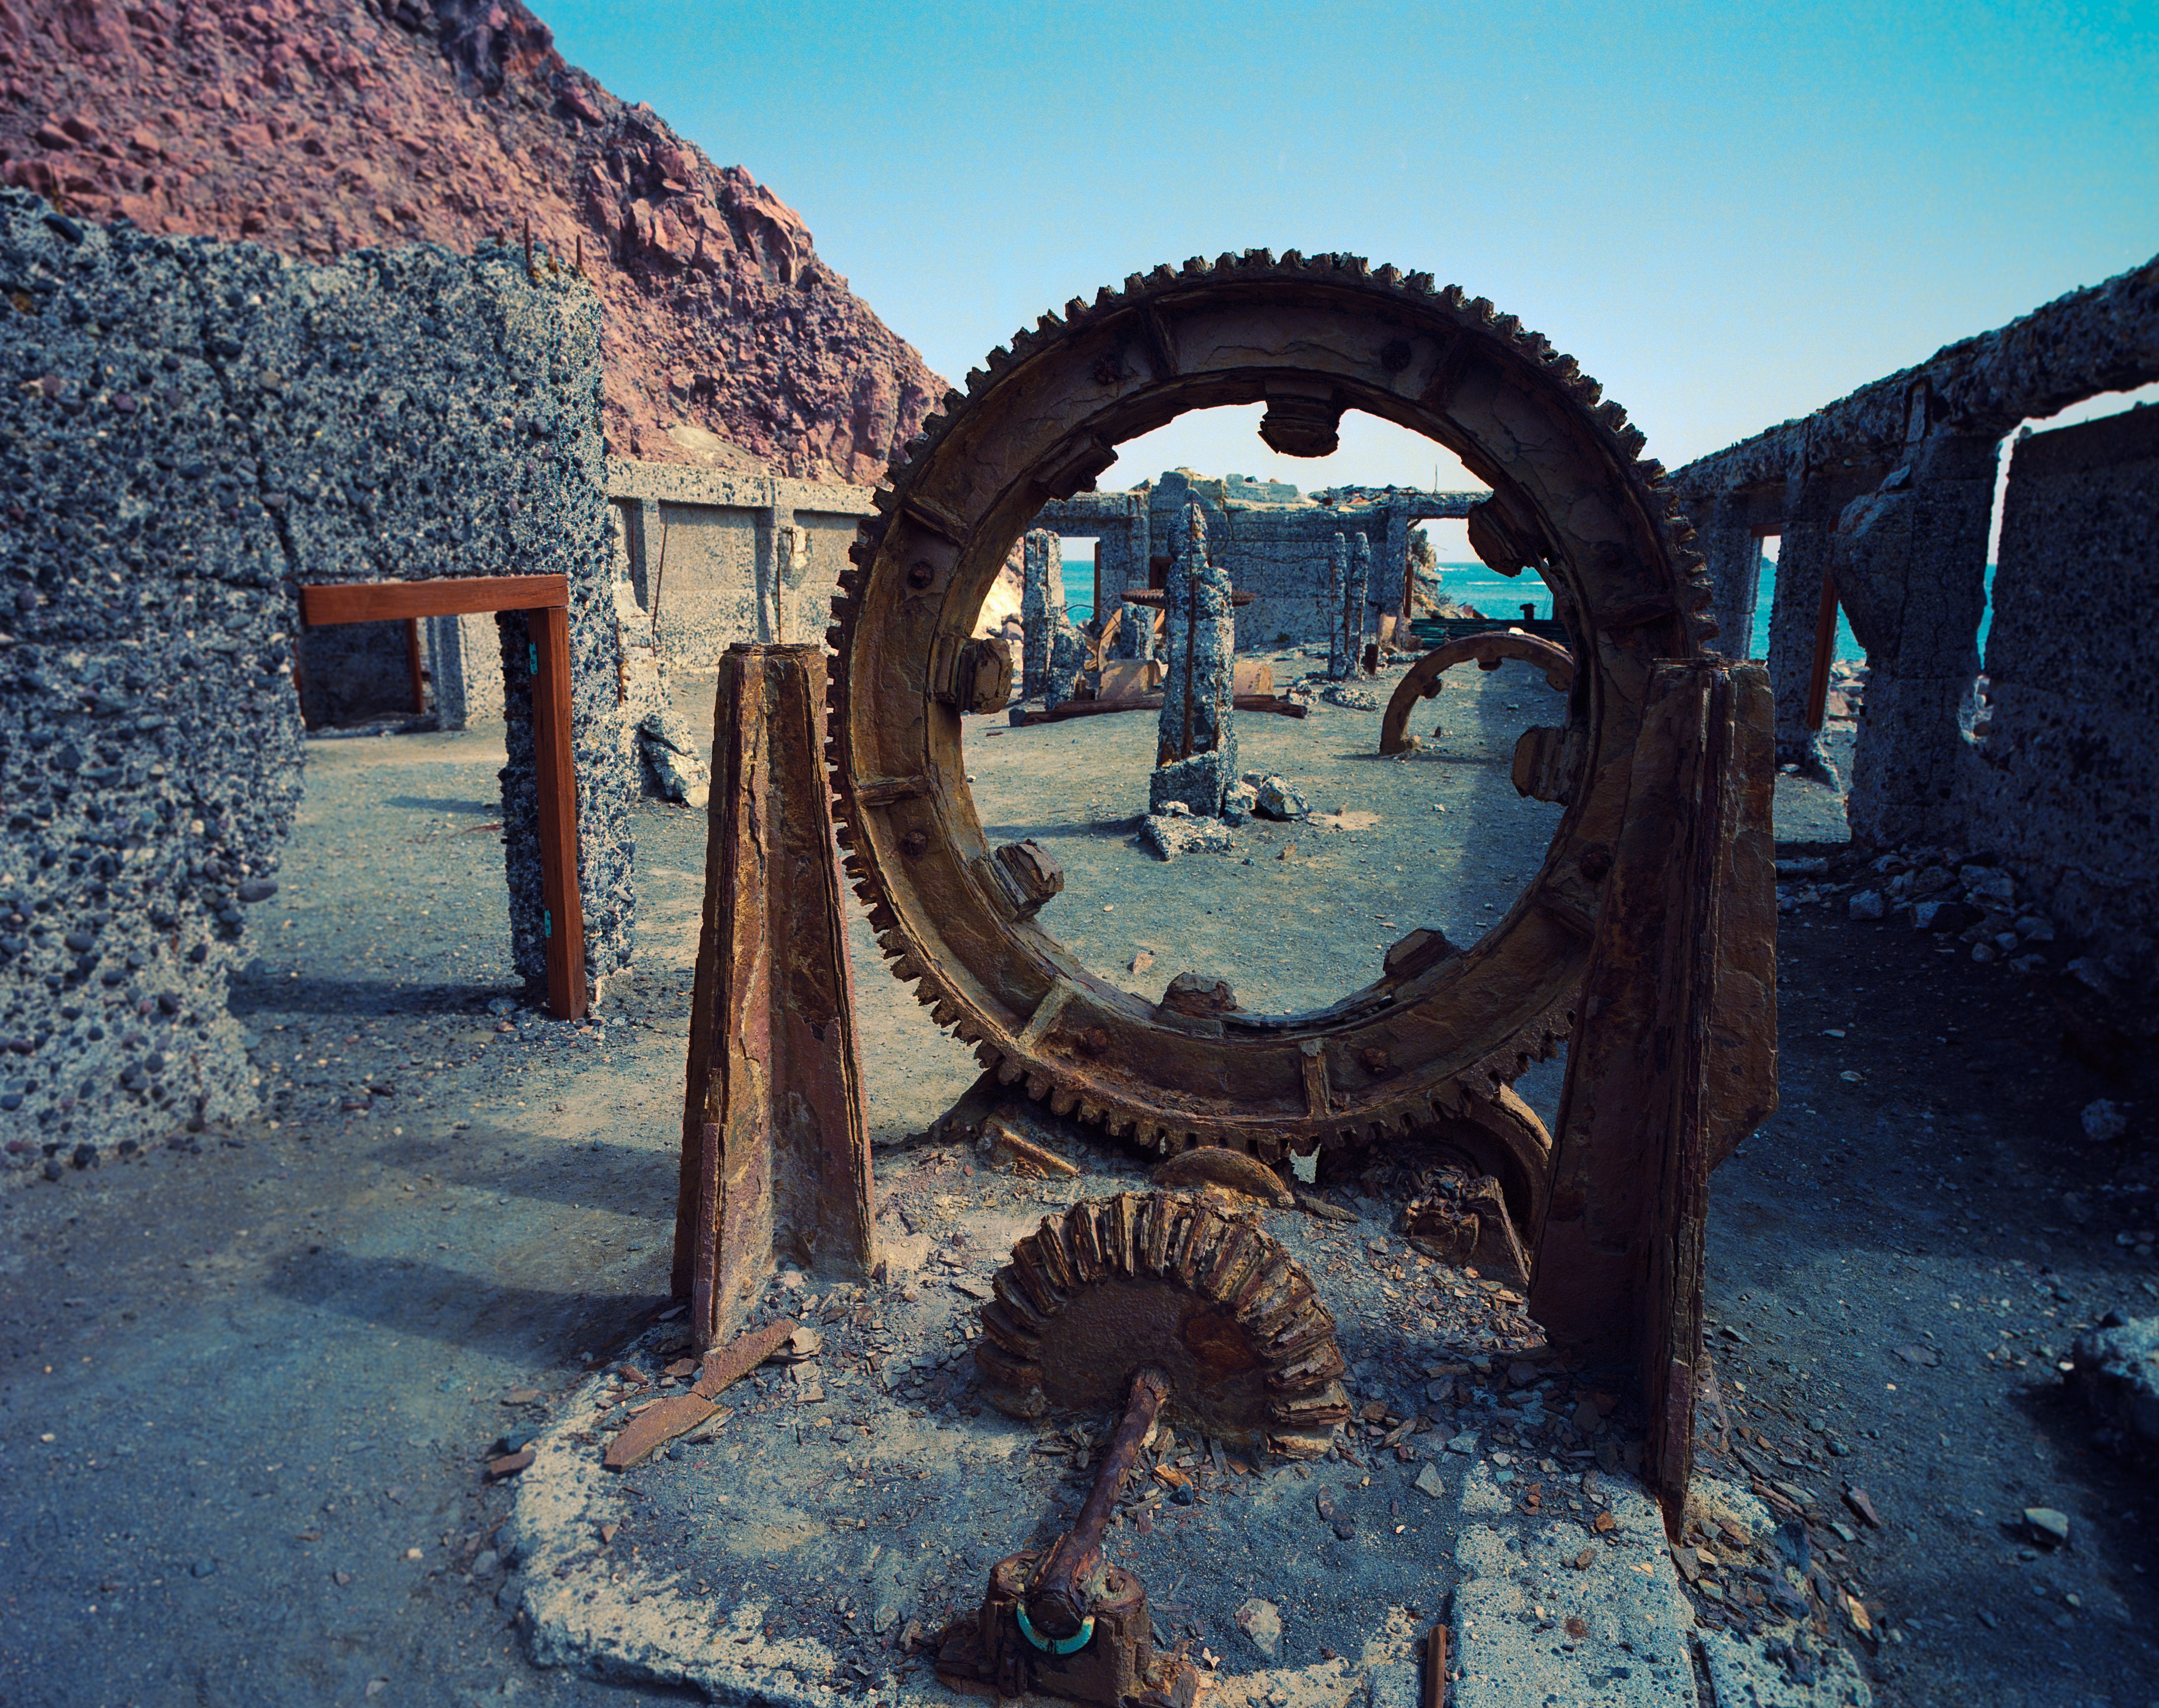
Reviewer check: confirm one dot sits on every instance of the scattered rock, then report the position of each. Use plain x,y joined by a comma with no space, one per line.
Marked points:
1274,799
676,769
1261,1622
1430,1482
2048,1526
1866,904
2103,1122
2117,1373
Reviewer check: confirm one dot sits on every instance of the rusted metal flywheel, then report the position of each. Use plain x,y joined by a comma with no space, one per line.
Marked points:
1435,1041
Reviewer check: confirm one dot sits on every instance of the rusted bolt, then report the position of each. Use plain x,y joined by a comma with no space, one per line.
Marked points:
1092,1041
1594,861
1395,357
920,574
1108,371
1377,1063
914,845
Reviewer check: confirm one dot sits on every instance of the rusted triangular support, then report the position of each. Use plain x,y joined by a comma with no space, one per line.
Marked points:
775,1158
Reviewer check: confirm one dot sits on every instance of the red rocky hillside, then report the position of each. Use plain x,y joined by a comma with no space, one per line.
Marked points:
319,127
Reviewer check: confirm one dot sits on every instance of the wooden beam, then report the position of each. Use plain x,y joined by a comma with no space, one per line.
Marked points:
453,596
555,759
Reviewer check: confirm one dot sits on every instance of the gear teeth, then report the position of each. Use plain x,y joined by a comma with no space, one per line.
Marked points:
1196,268
1292,260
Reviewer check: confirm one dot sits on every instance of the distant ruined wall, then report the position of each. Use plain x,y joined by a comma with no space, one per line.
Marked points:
1888,493
1273,542
723,562
189,432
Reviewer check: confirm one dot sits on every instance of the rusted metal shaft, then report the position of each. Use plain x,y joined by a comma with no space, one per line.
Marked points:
1058,1603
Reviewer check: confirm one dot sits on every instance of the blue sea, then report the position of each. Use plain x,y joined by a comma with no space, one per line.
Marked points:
1496,596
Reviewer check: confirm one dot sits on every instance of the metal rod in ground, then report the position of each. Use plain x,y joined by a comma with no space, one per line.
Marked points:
1057,1603
775,1155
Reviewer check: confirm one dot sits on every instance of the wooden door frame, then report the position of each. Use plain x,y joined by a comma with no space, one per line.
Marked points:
545,600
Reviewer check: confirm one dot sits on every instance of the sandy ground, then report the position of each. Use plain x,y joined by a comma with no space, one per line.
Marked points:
247,1389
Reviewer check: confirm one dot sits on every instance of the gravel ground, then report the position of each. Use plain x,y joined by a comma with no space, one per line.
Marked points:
249,1384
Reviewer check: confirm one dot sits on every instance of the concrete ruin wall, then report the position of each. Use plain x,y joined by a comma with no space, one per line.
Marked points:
1889,493
1273,542
189,430
722,533
2063,778
354,672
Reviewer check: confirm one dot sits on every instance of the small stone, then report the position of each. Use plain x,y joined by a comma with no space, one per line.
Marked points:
202,1568
1430,1482
2047,1525
1261,1621
2103,1122
1866,904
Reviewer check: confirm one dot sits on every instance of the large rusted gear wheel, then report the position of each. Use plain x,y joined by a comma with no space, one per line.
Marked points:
1436,1039
1167,1281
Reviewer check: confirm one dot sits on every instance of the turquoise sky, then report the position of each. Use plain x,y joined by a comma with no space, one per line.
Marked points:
1729,214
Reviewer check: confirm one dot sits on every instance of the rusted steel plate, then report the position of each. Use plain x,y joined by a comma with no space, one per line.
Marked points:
1655,1066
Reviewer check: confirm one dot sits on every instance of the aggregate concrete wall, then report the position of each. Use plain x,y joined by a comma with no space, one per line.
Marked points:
727,573
189,430
2064,781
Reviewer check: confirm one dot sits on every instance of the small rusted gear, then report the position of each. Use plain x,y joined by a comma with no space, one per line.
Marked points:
1309,337
1164,1279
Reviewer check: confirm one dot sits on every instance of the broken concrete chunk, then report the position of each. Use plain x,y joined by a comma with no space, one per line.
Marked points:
1170,835
1273,798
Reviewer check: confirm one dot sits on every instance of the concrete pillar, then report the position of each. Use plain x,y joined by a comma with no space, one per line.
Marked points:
444,640
1357,604
790,569
1041,609
1339,664
1196,752
1910,562
1135,640
1389,586
1802,560
767,572
1735,576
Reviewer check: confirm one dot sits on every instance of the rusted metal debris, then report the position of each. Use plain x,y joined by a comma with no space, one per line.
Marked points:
1569,497
1490,650
1213,1165
1673,1059
1461,1217
775,1156
1162,1307
657,1425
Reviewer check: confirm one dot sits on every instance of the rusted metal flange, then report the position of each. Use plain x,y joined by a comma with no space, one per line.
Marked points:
1490,651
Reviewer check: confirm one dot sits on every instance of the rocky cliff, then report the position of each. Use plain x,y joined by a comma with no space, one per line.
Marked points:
317,126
